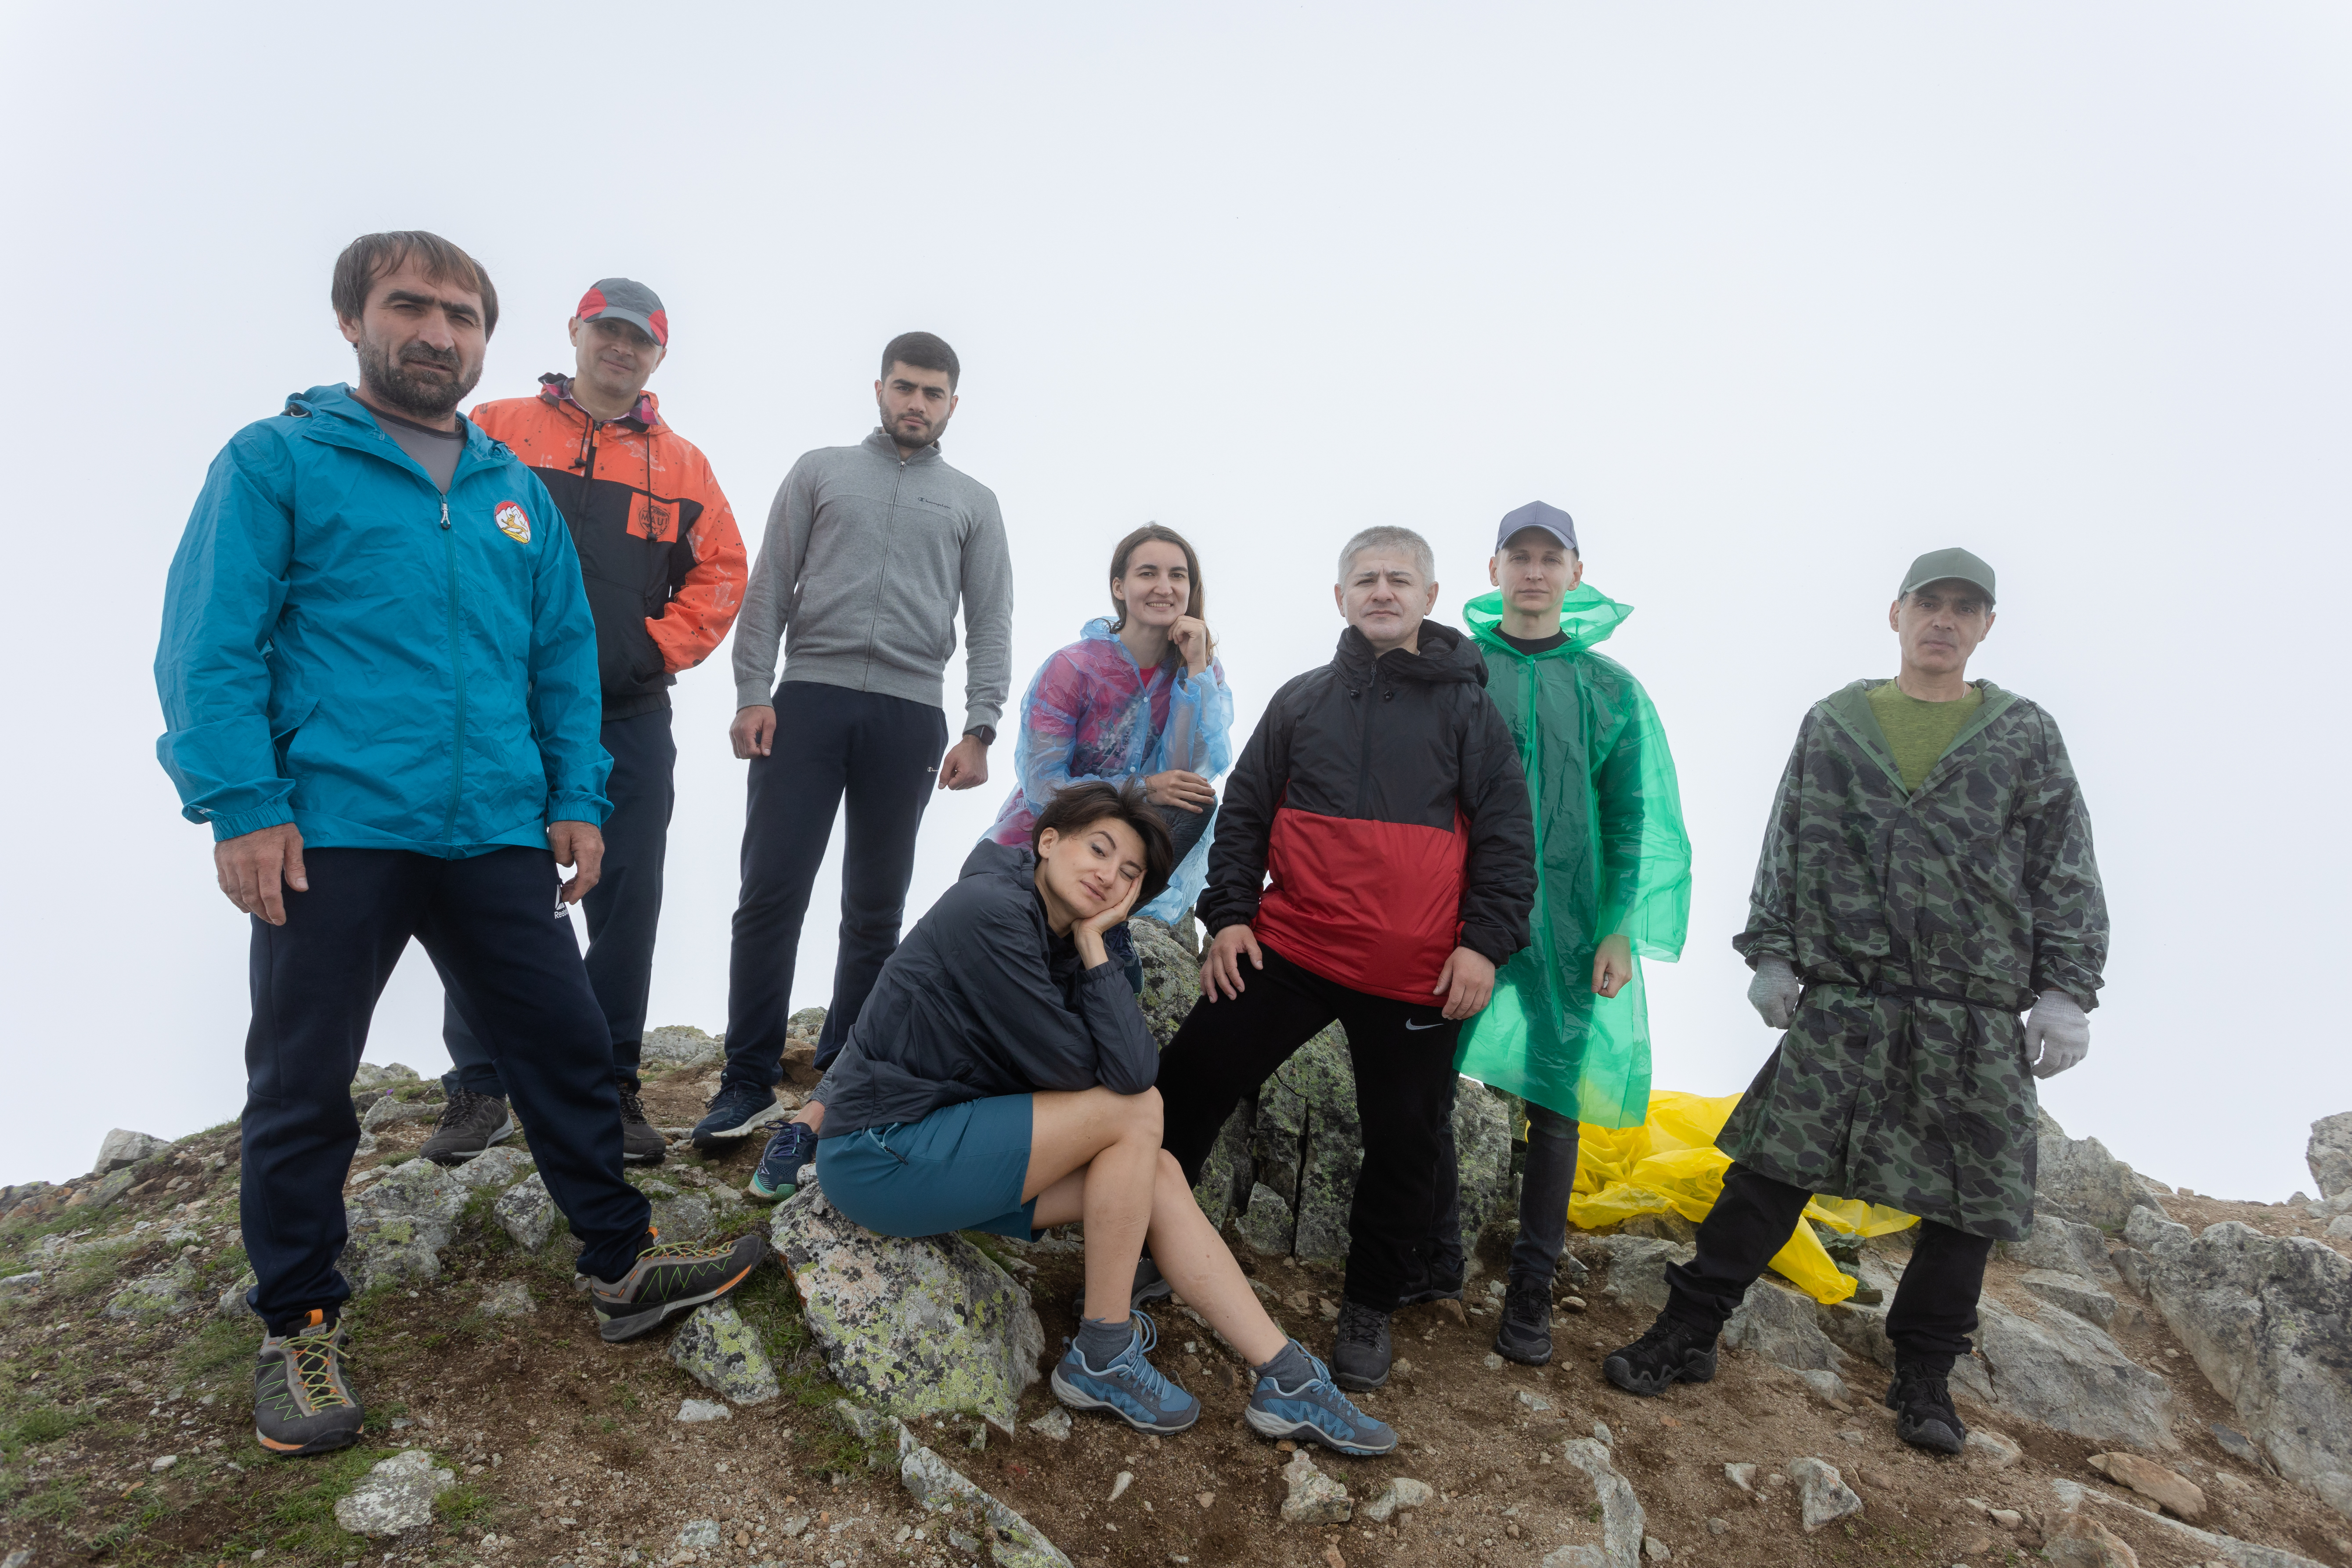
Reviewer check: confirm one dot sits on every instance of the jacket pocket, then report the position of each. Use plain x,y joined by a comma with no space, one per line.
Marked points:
284,727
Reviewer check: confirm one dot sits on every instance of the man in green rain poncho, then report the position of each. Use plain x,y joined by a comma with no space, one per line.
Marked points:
1926,876
1567,1029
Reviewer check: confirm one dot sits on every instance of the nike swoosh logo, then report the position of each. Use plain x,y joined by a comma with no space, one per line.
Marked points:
1410,1024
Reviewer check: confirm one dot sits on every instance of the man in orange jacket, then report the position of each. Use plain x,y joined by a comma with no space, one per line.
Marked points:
664,567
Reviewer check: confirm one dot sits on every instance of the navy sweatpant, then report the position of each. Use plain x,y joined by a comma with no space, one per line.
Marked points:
881,753
623,909
490,925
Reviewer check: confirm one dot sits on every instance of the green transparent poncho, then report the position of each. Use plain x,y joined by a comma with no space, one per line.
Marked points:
1611,858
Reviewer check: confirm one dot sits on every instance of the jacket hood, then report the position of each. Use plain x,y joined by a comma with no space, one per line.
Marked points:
1015,860
1445,657
1588,616
556,387
335,407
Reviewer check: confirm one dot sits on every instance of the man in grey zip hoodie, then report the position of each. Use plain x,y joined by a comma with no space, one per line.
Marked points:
868,551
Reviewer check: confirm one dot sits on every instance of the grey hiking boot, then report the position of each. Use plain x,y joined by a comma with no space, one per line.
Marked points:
470,1123
1361,1351
641,1142
301,1404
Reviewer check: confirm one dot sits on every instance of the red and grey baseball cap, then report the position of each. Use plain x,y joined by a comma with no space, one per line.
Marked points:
626,299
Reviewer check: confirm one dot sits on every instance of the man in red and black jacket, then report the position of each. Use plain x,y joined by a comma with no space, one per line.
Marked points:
1374,863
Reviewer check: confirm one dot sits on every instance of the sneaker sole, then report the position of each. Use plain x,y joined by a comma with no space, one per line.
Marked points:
1522,1351
655,1159
1079,1400
1687,1373
1932,1435
760,1195
614,1330
448,1157
1350,1380
775,1112
326,1444
1265,1424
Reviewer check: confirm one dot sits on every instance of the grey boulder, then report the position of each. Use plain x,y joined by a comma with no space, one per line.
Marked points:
1782,1326
719,1350
2267,1319
167,1293
390,1112
2066,1374
1822,1493
913,1327
2067,1245
1637,1269
493,1168
399,1225
679,1046
2077,1179
1620,1512
1267,1225
395,1497
2329,1154
2072,1291
526,1213
122,1148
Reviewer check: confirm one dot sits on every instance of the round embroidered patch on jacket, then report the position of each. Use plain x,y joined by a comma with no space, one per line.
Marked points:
513,523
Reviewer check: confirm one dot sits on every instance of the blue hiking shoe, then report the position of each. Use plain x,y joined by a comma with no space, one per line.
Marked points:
737,1111
790,1147
1315,1411
1130,1387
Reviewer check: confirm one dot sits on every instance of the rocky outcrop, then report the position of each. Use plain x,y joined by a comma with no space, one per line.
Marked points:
2329,1154
1822,1493
680,1046
1620,1512
1783,1326
910,1326
976,1521
718,1350
1637,1269
2064,1245
167,1293
2267,1319
123,1148
526,1213
2077,1179
400,1225
1312,1497
2066,1374
2079,1296
395,1497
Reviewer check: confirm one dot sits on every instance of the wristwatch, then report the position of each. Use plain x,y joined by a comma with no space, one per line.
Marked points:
987,734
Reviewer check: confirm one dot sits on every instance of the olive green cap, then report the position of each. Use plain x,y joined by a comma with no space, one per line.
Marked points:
1937,565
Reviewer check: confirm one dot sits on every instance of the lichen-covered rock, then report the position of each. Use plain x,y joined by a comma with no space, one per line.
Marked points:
168,1293
2066,1374
1320,1075
526,1213
678,1216
399,1225
719,1350
508,1299
2072,1291
103,1192
394,1497
231,1303
1782,1326
1403,1492
697,1534
1171,978
494,1168
1823,1493
679,1046
1228,1174
1314,1498
914,1327
122,1148
1637,1269
2077,1179
2267,1319
1622,1518
388,1076
1011,1541
2329,1154
1266,1226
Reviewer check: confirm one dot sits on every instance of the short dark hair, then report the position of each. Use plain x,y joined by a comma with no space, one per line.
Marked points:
1078,806
366,259
924,350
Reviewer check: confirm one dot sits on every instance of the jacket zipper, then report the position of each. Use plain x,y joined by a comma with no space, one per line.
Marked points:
457,669
1364,759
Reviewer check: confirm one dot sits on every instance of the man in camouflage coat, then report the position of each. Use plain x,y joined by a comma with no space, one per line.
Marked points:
1926,876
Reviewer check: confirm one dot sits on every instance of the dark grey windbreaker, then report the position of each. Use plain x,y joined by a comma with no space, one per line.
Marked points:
982,1000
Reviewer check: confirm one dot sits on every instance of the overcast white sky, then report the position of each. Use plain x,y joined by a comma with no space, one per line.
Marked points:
1771,299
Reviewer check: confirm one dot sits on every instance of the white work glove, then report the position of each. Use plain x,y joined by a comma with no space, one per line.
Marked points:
1773,992
2057,1035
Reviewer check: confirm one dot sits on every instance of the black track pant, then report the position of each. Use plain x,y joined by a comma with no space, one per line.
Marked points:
882,754
1402,1053
623,909
490,925
1934,1309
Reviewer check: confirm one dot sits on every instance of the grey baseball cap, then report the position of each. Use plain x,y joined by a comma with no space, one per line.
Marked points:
1941,566
1536,514
625,299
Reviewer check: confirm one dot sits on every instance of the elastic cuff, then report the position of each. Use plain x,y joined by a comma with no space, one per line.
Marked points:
275,813
977,718
755,694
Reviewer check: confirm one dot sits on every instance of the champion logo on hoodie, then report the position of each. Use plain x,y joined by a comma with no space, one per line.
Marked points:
513,523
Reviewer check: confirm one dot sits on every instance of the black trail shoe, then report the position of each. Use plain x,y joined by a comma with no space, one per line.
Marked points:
301,1404
1361,1352
1922,1401
469,1124
1525,1333
1671,1352
737,1111
671,1278
1431,1285
641,1143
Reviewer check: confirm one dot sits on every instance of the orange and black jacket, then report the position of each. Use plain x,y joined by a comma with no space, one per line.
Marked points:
658,548
1377,819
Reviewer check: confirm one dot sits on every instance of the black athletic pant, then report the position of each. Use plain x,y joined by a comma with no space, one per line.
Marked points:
1934,1309
1545,1184
490,925
1402,1054
883,753
623,909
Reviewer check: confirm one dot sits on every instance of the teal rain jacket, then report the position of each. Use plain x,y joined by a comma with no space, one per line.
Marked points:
1612,858
345,649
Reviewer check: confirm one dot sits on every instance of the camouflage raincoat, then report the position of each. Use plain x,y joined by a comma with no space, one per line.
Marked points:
1922,924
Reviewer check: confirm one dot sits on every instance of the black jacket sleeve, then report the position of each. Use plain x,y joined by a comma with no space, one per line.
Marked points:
1245,820
1498,882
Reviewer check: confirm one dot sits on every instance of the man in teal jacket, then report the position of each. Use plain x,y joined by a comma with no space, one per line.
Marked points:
378,673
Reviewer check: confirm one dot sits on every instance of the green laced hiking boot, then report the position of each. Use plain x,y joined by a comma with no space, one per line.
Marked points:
670,1278
300,1403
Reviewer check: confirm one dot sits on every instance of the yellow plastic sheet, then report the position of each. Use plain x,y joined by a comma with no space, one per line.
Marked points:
1670,1164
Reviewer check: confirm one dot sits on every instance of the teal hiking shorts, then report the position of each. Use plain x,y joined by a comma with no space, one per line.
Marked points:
959,1168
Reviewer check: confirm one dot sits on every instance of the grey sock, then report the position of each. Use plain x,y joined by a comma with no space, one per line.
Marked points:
1289,1367
1101,1340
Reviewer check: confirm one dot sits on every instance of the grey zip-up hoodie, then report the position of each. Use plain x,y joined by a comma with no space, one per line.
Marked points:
865,556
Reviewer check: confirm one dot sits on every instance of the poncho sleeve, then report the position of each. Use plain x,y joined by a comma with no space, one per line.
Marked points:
1051,713
2062,874
1773,902
1646,855
1198,737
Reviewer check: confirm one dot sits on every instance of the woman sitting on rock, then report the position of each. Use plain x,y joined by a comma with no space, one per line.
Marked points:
1000,1079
